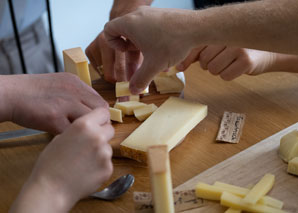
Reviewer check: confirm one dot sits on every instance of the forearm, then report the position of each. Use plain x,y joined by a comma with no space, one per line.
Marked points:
121,7
267,25
286,63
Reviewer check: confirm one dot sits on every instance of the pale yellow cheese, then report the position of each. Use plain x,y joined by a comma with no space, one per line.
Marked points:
241,192
231,210
169,84
128,107
289,146
122,89
161,181
169,124
293,166
134,98
260,189
116,115
171,71
144,112
208,192
76,63
235,202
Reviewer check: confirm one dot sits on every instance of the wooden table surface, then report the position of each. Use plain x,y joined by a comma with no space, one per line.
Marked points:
270,102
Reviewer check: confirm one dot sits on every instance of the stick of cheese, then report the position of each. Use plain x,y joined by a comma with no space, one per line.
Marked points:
260,189
128,107
116,115
144,112
76,63
233,201
161,182
169,124
293,166
122,89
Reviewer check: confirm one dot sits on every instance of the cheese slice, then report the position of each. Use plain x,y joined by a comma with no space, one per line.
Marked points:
128,107
235,202
144,112
76,63
260,189
289,146
161,181
170,84
122,89
169,124
293,166
116,115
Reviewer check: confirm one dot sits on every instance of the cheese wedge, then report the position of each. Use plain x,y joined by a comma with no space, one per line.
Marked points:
116,115
289,146
170,84
160,176
76,63
293,166
144,112
260,189
235,202
122,89
128,107
241,192
169,124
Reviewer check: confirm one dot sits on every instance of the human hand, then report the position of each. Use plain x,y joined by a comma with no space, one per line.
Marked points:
117,66
71,167
48,102
230,62
159,34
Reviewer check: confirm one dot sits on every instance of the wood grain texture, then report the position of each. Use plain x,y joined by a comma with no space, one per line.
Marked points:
248,167
269,102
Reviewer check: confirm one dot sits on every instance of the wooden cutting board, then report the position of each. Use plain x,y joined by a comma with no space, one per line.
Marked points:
130,123
248,167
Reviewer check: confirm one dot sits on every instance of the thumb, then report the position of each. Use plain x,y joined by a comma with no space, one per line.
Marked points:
142,78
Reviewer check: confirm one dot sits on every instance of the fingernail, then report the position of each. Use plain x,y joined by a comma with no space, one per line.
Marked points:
180,67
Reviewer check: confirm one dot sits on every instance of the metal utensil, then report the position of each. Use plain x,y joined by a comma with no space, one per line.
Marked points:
19,133
116,189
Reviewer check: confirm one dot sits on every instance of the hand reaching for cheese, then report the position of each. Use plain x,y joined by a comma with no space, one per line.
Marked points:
117,66
71,167
48,102
230,62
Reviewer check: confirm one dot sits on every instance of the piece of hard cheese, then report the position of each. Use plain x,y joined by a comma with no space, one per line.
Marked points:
169,124
116,115
144,112
235,202
260,189
169,83
134,98
128,107
122,89
160,176
76,63
293,166
231,210
289,146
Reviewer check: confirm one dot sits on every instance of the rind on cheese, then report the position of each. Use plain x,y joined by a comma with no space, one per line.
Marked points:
289,146
293,166
144,112
169,124
128,107
75,62
122,89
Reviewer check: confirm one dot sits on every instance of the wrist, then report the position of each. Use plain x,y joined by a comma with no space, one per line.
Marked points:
285,62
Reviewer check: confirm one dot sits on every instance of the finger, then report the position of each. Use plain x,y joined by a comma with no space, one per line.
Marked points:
59,126
208,54
191,58
108,58
233,71
77,111
141,79
133,60
98,116
93,53
119,66
222,61
113,32
108,131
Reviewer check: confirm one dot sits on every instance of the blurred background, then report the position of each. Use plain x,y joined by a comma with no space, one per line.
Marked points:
76,23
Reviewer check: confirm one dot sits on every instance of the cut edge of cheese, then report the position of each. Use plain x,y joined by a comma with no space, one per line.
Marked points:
144,112
75,62
161,181
134,97
177,117
293,166
128,107
122,89
288,148
116,115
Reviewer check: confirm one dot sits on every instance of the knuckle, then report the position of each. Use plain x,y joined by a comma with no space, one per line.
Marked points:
83,125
